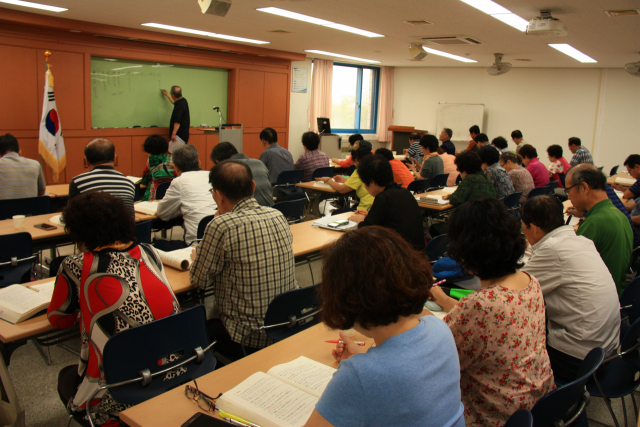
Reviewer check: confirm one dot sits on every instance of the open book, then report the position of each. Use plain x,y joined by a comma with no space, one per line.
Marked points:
148,208
433,199
18,302
283,397
320,184
180,259
325,221
625,181
134,179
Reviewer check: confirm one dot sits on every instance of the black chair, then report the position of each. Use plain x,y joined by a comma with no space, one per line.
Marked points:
286,184
614,170
350,170
521,418
143,231
341,211
322,172
293,210
618,375
539,191
137,192
162,189
458,179
439,181
562,177
630,305
512,202
418,186
552,185
289,313
16,258
55,264
437,247
566,404
600,168
28,206
131,357
202,226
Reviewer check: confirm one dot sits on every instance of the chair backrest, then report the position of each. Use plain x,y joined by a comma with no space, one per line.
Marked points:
322,172
539,191
350,170
287,308
143,231
202,225
520,418
630,300
162,189
600,168
566,403
512,201
614,170
437,247
458,179
562,177
15,247
291,208
136,195
135,350
439,180
29,206
290,177
418,186
55,264
552,185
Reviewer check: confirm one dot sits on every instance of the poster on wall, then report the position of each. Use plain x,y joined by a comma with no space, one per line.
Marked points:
300,78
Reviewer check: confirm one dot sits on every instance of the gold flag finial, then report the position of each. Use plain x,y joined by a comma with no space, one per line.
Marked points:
47,54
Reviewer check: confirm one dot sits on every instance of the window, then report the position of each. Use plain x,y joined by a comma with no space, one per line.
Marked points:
354,106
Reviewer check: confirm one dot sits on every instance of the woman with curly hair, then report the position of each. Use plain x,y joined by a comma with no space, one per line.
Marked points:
159,167
373,281
500,328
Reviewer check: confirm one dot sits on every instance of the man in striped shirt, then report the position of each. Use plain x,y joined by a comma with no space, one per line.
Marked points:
100,154
19,177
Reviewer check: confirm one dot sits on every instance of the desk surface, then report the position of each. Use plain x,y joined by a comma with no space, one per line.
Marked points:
310,186
6,227
432,206
173,408
57,190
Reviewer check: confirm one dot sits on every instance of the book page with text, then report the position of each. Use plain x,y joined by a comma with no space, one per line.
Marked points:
148,208
21,299
305,374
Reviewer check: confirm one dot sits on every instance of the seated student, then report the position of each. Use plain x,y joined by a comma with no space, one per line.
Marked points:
411,377
632,163
414,151
580,154
520,177
537,170
100,154
500,328
159,167
352,141
558,163
501,144
264,190
474,182
19,177
274,157
393,207
133,290
189,194
491,166
481,140
604,224
245,256
516,136
343,185
474,131
447,144
432,164
449,163
401,175
312,158
583,310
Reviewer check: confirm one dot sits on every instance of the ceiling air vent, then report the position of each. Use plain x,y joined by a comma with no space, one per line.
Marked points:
450,40
418,22
627,12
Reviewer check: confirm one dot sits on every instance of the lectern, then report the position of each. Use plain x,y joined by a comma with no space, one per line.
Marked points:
227,133
400,137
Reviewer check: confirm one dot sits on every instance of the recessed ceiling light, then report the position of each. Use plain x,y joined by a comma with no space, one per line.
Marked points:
317,21
202,33
512,19
447,55
572,52
320,52
494,9
34,5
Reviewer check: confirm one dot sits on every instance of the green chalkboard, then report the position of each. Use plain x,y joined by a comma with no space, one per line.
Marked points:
127,93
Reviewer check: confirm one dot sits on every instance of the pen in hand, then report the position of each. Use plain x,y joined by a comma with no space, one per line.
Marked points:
360,343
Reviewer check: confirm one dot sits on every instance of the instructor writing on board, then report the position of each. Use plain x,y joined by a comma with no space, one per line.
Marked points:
180,121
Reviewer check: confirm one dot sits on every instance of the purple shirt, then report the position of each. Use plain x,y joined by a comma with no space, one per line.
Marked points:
311,161
538,172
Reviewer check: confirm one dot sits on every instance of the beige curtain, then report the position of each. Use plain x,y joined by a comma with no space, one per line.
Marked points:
386,104
321,91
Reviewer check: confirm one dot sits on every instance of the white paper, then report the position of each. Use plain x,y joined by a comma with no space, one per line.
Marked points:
148,208
22,299
57,220
134,179
625,181
449,190
304,373
300,77
325,221
321,184
180,259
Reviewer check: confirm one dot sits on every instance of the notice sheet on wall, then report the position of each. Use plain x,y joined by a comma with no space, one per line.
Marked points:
300,78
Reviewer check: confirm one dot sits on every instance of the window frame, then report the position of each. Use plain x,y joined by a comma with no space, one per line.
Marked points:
374,101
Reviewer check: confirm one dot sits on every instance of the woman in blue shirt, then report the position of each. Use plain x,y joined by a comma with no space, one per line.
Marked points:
373,281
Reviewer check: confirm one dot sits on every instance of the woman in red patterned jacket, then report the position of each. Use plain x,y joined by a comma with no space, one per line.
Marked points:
114,284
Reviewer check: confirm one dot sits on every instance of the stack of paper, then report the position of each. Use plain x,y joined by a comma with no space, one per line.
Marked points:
433,199
324,223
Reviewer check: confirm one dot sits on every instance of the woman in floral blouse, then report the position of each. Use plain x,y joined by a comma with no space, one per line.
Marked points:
159,166
499,329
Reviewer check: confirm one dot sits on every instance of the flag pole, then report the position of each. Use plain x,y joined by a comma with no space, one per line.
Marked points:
47,54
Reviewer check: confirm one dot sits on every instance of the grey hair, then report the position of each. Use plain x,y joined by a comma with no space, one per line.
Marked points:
589,174
516,159
185,158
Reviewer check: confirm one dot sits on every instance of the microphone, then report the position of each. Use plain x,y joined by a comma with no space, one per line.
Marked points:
216,108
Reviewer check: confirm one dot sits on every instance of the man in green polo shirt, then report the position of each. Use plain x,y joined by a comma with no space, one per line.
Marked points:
604,224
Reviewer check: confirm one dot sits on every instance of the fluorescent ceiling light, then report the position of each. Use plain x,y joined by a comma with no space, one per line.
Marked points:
202,33
512,19
130,66
317,21
320,52
487,6
34,5
572,52
448,55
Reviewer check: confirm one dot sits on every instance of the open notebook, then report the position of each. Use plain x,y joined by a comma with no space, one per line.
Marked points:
19,303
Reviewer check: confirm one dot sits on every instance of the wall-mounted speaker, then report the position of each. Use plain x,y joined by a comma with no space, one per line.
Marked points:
416,51
215,7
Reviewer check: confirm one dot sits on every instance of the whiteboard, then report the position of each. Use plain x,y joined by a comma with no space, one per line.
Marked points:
459,118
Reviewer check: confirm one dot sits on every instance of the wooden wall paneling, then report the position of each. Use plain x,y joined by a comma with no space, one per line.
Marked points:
251,145
138,155
68,86
123,151
19,108
212,141
232,102
276,94
283,140
75,155
200,142
250,98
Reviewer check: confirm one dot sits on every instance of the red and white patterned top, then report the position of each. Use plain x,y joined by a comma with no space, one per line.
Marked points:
501,339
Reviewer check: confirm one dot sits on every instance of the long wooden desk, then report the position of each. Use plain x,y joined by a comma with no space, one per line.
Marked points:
57,190
312,186
173,408
431,206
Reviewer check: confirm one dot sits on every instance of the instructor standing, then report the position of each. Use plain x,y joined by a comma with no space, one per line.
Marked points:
180,121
